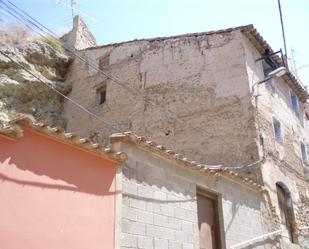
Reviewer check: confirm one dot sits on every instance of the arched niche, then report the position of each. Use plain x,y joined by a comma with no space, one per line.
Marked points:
286,210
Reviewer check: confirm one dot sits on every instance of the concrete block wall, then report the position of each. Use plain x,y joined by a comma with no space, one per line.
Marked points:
159,207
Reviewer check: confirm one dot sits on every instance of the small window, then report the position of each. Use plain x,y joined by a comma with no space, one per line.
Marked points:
104,62
295,103
303,151
101,95
277,130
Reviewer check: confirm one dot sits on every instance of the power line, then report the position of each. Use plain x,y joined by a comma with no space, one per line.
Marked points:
44,29
37,24
282,28
58,92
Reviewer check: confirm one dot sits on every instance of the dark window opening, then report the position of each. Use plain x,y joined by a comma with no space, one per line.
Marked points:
269,59
101,96
277,130
295,103
303,151
104,62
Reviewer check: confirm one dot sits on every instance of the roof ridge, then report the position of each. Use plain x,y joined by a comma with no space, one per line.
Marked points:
160,38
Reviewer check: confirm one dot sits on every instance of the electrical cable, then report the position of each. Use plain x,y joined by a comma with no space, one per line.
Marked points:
72,50
58,92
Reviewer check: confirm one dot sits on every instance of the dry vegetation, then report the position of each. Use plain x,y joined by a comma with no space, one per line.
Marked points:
14,34
17,34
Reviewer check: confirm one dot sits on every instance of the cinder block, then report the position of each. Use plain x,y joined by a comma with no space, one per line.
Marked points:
187,246
161,244
167,209
160,220
128,240
174,245
187,226
145,242
129,213
136,203
153,207
145,217
180,213
174,223
133,227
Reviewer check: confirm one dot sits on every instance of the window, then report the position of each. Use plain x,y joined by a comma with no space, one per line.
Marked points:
303,151
277,130
295,103
104,62
100,95
208,220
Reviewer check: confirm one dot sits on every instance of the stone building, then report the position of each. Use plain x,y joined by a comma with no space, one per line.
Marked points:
204,95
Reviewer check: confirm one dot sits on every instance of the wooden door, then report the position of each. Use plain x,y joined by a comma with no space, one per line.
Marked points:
208,222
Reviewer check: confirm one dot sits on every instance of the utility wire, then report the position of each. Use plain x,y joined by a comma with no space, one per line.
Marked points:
53,35
58,92
45,30
282,28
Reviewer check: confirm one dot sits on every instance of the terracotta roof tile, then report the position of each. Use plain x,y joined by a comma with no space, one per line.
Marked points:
15,130
214,170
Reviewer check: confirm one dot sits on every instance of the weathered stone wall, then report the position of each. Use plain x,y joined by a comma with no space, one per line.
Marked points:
193,95
79,37
283,161
159,207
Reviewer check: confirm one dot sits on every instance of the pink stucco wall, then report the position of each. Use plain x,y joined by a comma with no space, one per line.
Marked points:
53,195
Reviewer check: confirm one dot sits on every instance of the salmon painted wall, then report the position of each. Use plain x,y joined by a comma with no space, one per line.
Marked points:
53,195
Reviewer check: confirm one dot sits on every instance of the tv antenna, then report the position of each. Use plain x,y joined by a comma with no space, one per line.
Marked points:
75,11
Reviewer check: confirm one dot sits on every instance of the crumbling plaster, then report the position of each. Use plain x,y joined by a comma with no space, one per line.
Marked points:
193,95
283,162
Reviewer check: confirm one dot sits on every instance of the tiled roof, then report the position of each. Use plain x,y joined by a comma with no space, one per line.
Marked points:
213,170
261,45
14,129
254,37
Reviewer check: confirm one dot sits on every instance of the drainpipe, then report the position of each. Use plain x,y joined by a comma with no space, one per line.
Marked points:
257,239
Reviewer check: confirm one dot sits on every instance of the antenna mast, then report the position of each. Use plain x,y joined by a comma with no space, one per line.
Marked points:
73,4
282,28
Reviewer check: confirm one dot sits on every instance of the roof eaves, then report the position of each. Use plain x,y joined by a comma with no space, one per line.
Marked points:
211,170
14,129
261,45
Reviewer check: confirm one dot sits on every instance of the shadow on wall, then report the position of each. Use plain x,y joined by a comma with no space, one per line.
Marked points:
37,161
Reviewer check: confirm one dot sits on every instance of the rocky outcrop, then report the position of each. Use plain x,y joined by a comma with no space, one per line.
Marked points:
21,89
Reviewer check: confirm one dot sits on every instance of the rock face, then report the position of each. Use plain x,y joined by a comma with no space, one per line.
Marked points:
23,92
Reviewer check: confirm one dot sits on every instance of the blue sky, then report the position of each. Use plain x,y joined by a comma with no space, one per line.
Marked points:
121,20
